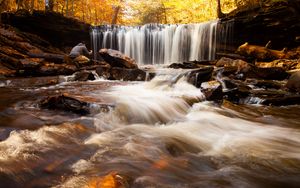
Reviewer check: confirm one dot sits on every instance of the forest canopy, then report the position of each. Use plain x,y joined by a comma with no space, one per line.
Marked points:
132,12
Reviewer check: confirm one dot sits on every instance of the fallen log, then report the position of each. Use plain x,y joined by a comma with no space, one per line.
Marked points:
261,53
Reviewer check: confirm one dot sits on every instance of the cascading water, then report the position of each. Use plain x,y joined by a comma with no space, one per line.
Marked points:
162,44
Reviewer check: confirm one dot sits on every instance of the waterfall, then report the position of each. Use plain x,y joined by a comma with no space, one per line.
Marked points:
161,44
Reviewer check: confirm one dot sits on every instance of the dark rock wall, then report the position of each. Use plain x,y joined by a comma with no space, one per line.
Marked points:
60,31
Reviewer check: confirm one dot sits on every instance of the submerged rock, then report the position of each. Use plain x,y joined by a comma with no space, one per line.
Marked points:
117,73
117,59
185,65
65,103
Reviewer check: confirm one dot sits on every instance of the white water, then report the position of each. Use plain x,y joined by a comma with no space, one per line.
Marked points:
160,44
162,134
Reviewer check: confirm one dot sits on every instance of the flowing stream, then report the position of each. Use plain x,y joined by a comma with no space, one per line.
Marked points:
160,133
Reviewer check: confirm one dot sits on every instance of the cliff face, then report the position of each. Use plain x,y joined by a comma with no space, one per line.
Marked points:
58,30
278,23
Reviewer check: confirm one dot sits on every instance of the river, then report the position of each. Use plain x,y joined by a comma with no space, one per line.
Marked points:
155,134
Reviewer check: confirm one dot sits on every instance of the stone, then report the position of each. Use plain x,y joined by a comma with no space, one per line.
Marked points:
103,71
127,74
272,73
65,103
293,83
185,65
285,64
212,90
84,76
196,77
117,59
31,63
81,61
282,101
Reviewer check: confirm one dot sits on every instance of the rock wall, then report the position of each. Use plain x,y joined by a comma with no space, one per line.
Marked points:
278,23
60,31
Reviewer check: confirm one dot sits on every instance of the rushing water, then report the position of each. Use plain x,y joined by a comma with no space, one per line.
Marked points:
160,133
162,44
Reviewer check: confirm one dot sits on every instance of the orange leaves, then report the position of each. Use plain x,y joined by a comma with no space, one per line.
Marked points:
112,180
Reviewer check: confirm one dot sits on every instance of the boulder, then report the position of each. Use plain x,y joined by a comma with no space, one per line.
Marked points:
81,61
265,84
197,77
272,73
84,76
117,73
117,59
212,90
103,71
293,83
65,103
51,69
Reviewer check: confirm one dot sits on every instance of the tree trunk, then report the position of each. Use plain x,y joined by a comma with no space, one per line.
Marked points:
67,7
32,6
115,15
220,14
18,4
50,5
72,14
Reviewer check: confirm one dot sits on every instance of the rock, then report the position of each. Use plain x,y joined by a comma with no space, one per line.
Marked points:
293,83
285,64
273,73
84,76
6,72
9,51
65,103
103,71
31,63
235,90
185,65
81,61
117,59
117,73
260,53
282,101
10,62
196,77
51,69
212,90
265,84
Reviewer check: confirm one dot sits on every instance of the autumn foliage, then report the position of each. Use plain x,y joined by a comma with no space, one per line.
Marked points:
131,12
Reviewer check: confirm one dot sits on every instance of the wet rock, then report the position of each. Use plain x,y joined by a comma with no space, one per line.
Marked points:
235,90
51,69
282,101
273,73
6,72
293,83
285,64
65,103
81,61
265,84
103,71
10,62
31,63
9,51
84,76
185,65
117,59
117,73
196,77
212,90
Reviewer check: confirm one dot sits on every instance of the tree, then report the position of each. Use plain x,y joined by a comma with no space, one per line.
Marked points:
220,14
